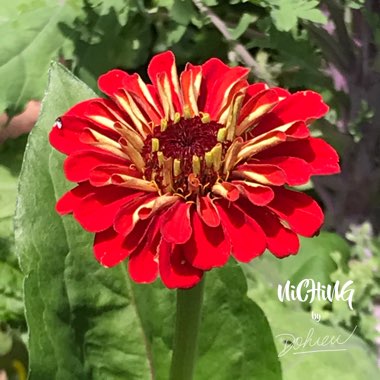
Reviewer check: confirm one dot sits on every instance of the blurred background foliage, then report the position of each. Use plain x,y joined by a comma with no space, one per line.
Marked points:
331,46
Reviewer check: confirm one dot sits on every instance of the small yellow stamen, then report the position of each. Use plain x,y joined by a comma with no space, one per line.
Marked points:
164,124
222,134
209,159
217,156
177,117
176,167
196,165
187,111
205,117
155,145
160,158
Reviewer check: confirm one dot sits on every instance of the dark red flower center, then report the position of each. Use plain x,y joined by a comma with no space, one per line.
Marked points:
187,137
188,147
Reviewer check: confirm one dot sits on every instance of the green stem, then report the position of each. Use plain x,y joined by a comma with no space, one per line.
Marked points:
189,306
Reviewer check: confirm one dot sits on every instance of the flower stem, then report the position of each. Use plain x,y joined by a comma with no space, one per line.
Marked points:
189,306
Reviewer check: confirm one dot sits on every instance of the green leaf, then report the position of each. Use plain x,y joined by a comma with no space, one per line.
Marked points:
326,365
102,43
11,302
291,324
313,260
11,153
235,339
81,318
30,38
182,11
245,21
286,13
8,191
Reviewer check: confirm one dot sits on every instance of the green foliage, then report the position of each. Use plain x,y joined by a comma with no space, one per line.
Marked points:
86,321
364,270
90,322
287,13
30,39
11,300
290,320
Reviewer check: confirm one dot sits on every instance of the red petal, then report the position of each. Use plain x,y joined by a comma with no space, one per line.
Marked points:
136,236
322,158
266,174
109,248
259,195
297,171
227,190
207,211
281,241
164,64
176,225
143,263
66,137
190,86
255,108
208,247
112,81
298,209
69,201
175,271
247,238
127,217
97,211
103,174
218,78
301,106
298,130
281,92
254,89
146,97
79,165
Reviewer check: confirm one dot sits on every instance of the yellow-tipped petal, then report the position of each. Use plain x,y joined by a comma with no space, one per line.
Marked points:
231,156
133,154
233,117
130,134
132,182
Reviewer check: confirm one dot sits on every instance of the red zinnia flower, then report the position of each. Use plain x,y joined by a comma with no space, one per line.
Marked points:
178,174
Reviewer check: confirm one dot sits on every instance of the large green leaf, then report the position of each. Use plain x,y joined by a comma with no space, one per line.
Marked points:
81,318
89,322
286,13
235,339
30,38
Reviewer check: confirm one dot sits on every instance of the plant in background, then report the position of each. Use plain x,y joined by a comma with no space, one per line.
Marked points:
87,321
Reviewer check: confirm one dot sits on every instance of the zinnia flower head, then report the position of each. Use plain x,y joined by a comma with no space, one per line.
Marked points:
179,174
